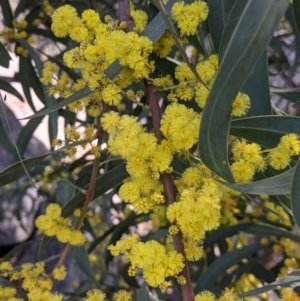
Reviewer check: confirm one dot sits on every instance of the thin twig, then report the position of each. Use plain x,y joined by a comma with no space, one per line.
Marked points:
91,189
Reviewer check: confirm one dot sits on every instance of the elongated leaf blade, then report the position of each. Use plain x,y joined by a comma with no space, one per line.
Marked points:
257,87
262,229
277,185
219,11
5,140
4,56
50,101
295,193
296,12
30,78
222,264
74,97
265,130
27,133
81,256
249,36
17,248
7,13
23,4
10,89
291,18
46,33
144,294
218,235
16,170
33,55
25,79
103,183
42,246
292,95
291,280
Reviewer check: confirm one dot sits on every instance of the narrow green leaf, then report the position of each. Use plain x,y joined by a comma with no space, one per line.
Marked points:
4,56
105,182
296,105
296,12
6,13
17,248
254,22
277,46
279,184
216,236
292,95
33,55
144,294
262,229
65,191
156,28
29,79
82,259
98,240
16,170
42,246
24,4
219,11
27,133
242,269
291,280
295,193
5,140
74,97
5,86
24,69
257,87
47,33
50,101
222,264
265,130
290,15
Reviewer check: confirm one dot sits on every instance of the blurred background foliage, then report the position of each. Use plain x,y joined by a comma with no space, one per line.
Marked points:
258,240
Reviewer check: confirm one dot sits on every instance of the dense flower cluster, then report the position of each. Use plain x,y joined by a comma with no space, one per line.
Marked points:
189,16
53,224
34,280
249,158
152,258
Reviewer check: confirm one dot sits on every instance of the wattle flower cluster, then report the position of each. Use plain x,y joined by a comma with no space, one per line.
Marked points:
53,224
34,280
189,16
199,196
156,263
249,157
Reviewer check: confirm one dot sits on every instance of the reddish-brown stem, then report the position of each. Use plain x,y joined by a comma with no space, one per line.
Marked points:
152,102
90,191
124,14
187,292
